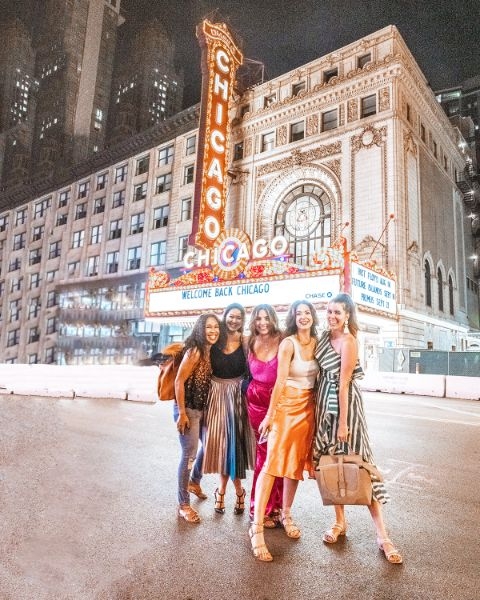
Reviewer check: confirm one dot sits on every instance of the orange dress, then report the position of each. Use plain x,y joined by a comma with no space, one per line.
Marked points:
290,438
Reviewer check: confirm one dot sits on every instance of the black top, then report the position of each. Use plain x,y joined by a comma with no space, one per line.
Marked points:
197,385
228,366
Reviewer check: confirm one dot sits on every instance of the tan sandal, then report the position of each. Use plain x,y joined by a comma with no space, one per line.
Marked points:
290,527
194,488
188,513
392,555
260,550
331,536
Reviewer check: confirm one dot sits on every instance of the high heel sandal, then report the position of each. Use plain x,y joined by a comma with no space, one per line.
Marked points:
219,501
290,528
240,503
195,488
336,530
188,513
260,551
393,555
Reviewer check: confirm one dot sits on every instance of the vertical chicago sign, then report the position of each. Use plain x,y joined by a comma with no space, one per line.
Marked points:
220,61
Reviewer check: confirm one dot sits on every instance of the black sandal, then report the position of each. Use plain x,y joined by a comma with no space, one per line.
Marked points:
219,501
240,503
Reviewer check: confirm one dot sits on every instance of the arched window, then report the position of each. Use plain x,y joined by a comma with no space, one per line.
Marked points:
440,289
428,284
304,219
450,295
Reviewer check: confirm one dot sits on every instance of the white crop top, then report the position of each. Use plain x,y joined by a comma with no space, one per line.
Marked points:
302,373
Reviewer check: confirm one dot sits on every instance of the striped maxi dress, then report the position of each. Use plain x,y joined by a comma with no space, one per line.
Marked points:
326,411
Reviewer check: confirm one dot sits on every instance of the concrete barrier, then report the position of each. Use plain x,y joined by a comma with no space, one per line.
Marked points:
462,387
124,382
404,383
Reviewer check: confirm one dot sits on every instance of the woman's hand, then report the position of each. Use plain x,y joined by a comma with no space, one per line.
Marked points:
182,423
342,432
265,426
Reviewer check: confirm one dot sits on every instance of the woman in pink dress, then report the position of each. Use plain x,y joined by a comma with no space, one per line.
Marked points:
262,362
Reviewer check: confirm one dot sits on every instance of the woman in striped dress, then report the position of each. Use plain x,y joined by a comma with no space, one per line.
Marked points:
340,417
229,439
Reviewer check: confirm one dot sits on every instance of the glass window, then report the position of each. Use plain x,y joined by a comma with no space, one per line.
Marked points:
73,267
19,241
13,338
330,74
83,189
268,141
112,262
37,233
368,106
34,280
164,183
14,265
140,192
165,155
92,266
51,275
33,335
142,165
298,87
63,198
81,210
190,145
51,326
186,211
16,285
450,295
160,216
61,220
15,310
115,229
96,234
238,151
77,239
35,256
102,181
50,356
34,308
182,247
363,60
99,205
41,208
118,199
21,216
54,249
52,299
297,131
188,174
121,173
134,256
136,223
428,284
330,120
440,289
3,223
158,254
269,100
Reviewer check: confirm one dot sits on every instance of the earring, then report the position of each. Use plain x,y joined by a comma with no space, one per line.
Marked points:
345,327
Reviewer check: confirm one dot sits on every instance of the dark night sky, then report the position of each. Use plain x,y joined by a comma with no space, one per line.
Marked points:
442,35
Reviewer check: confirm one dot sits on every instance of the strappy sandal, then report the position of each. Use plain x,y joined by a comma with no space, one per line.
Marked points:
260,551
188,513
331,536
240,503
272,520
291,529
194,488
393,555
219,501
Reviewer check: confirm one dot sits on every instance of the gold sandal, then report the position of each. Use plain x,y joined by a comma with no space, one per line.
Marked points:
195,488
260,551
290,528
219,501
393,555
188,513
336,530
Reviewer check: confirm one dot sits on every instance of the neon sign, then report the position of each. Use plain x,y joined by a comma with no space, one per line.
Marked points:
220,60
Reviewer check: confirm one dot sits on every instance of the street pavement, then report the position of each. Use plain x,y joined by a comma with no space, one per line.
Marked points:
88,495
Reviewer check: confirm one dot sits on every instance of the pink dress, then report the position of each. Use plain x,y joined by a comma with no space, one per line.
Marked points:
264,375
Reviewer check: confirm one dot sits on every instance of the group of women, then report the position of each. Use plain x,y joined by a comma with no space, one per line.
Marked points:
300,400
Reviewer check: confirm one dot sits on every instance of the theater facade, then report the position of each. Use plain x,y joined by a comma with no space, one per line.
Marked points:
342,174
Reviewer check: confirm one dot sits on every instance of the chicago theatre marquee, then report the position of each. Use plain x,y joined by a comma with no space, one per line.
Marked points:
340,175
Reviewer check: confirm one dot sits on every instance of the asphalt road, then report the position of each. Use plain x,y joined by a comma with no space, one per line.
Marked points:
87,509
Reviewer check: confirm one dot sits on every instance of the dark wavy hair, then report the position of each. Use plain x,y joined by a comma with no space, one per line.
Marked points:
198,337
349,307
223,323
274,330
290,321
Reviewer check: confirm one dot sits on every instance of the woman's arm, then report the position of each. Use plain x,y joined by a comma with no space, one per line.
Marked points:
186,368
285,355
348,360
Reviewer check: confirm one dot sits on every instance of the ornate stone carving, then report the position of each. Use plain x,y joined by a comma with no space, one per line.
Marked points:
335,166
261,185
300,158
384,101
413,248
341,115
352,110
312,125
282,135
369,136
247,147
408,144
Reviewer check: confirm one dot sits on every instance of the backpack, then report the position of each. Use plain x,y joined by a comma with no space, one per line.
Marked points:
173,354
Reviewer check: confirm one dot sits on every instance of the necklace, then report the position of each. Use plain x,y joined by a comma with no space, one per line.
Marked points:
304,343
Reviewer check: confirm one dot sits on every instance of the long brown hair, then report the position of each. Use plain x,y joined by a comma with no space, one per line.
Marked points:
349,307
291,319
274,329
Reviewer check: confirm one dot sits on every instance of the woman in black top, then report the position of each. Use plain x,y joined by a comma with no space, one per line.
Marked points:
229,440
192,384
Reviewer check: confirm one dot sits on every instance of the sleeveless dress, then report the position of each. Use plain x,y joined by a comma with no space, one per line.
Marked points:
229,440
290,439
327,407
264,375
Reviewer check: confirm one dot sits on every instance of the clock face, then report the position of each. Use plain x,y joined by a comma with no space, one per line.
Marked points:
302,216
